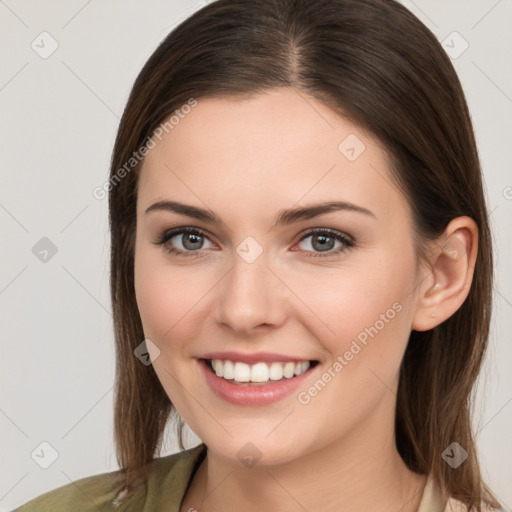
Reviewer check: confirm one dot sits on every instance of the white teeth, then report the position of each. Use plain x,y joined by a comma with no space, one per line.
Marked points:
300,368
259,372
218,367
289,370
229,370
276,371
242,372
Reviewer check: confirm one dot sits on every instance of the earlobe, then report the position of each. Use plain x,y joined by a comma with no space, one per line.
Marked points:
448,282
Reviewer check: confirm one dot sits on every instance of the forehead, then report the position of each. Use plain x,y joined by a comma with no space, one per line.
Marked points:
278,147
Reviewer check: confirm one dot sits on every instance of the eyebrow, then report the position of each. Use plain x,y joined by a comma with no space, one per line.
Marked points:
285,217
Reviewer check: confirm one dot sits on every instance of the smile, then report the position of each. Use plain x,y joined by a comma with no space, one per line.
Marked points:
259,372
255,383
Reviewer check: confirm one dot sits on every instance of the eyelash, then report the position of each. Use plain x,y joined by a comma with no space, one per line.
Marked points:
347,242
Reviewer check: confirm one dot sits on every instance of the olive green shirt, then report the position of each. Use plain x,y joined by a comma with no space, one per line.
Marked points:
167,484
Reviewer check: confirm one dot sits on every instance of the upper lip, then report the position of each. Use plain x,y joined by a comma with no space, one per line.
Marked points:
256,357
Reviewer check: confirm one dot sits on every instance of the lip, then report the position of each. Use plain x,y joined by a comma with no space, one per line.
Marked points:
258,357
253,394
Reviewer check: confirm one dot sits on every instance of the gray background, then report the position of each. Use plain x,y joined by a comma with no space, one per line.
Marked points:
59,119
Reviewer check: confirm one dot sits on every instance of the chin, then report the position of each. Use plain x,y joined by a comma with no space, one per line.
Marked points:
251,451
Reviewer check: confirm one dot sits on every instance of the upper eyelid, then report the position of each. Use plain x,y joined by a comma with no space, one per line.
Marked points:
167,234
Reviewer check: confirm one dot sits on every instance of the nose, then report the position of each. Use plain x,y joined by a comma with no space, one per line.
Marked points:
251,297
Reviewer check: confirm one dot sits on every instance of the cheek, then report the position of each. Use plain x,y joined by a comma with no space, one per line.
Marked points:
158,295
169,298
354,302
152,300
370,314
377,336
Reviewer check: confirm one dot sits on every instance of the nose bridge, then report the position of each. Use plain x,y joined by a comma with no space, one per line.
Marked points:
250,295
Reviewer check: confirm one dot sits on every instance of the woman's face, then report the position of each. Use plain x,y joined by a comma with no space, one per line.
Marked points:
260,284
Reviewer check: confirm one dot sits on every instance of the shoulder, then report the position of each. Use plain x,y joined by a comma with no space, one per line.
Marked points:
83,495
433,500
454,505
103,492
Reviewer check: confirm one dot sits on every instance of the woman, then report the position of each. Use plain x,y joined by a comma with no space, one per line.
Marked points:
301,268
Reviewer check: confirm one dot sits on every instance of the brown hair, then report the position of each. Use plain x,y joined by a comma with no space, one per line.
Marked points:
376,64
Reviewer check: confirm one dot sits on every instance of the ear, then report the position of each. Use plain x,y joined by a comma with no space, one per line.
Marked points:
447,278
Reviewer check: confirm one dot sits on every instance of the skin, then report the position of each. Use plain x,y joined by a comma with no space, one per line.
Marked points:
246,160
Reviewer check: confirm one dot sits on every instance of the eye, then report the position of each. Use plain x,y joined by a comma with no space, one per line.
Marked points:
188,241
182,241
324,241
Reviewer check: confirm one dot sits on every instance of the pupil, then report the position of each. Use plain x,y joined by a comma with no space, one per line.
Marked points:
323,243
188,238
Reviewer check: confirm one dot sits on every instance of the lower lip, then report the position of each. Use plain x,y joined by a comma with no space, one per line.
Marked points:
250,394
